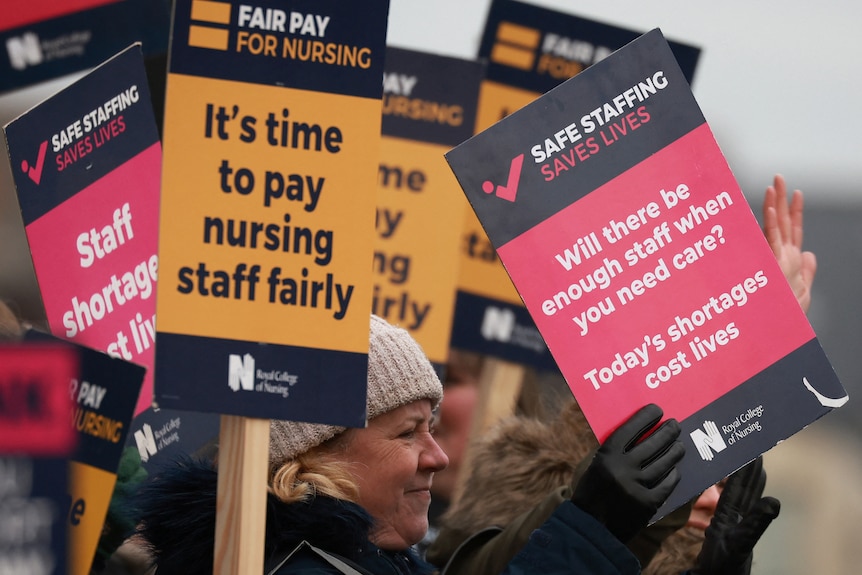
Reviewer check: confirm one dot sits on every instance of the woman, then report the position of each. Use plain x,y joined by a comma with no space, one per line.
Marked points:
342,499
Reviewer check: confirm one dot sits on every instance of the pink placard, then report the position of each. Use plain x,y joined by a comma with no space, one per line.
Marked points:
641,317
95,256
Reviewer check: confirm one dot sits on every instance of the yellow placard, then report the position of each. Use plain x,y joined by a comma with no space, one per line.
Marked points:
90,489
265,221
481,272
496,101
419,218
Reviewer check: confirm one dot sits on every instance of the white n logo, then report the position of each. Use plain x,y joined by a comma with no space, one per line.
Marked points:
24,50
708,440
240,372
146,442
498,324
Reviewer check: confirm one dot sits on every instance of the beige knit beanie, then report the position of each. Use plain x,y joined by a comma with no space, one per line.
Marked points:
398,373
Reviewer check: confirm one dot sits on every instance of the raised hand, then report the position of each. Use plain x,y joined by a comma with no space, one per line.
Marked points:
782,225
741,518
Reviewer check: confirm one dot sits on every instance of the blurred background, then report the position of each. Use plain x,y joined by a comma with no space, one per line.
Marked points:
777,82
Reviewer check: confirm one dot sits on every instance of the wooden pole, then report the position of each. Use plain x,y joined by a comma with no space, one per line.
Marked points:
243,463
499,386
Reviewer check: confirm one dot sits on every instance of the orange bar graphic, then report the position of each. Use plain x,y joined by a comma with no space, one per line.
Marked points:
511,56
203,37
215,12
519,35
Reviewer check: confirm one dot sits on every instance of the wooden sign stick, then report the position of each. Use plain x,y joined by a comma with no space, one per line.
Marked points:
499,386
243,463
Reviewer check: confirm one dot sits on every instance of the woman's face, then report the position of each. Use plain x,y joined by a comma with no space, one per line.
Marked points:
394,460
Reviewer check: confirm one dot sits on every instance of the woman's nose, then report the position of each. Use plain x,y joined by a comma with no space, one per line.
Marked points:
433,457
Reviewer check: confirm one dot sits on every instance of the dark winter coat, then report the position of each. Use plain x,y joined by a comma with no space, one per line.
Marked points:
178,511
178,522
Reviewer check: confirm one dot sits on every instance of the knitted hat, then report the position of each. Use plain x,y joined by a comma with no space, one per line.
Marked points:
398,373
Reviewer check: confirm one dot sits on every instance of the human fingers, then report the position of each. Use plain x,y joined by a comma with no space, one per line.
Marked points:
772,232
796,210
781,206
630,432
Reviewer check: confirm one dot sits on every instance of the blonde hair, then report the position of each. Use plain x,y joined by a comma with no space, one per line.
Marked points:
319,471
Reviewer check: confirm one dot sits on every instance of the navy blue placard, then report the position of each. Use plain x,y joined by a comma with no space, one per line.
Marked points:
262,380
163,435
33,493
475,166
568,43
74,42
42,184
319,57
430,98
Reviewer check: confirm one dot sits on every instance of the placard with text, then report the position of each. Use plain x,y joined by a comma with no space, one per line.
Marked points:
164,435
620,223
429,105
272,141
86,164
529,50
103,395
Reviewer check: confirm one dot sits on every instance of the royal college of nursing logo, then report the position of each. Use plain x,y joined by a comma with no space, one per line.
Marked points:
242,375
150,441
498,324
241,372
29,49
708,440
24,50
501,325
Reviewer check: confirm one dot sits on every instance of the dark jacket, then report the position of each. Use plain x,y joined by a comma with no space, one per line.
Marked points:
178,513
178,522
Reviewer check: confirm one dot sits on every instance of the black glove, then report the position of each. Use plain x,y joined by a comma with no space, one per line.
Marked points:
741,517
629,479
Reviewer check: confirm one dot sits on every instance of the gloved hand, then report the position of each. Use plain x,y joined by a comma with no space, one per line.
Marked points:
741,517
629,479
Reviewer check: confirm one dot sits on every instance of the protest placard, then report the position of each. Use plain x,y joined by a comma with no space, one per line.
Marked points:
86,165
618,219
163,435
103,394
34,501
529,50
429,105
271,137
35,440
